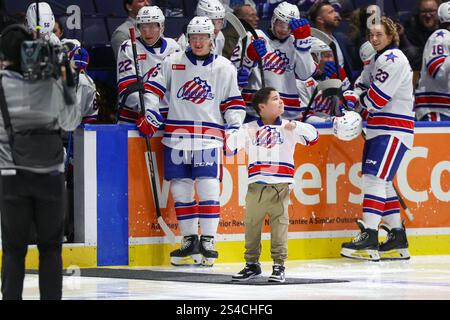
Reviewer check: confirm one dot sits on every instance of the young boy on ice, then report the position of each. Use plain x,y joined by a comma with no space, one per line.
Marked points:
270,145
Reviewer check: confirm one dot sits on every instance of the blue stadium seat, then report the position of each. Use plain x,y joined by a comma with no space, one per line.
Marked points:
59,7
94,31
114,22
174,26
405,5
110,8
13,7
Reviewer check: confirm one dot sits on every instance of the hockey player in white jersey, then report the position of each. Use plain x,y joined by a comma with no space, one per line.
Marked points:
433,89
86,90
46,22
323,109
214,10
285,55
385,92
204,97
151,48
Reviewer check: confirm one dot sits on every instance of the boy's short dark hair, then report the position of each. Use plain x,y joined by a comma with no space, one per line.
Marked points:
261,96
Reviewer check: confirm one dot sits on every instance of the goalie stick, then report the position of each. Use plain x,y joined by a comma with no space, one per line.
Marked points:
148,154
241,26
325,38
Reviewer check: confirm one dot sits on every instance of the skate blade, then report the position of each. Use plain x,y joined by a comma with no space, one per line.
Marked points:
193,260
369,255
395,254
208,262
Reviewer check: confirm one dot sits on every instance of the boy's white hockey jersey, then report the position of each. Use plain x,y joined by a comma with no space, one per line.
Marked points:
87,98
219,43
203,96
388,96
433,89
282,65
149,60
270,148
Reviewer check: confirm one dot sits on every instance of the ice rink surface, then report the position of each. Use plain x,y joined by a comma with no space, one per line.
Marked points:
421,277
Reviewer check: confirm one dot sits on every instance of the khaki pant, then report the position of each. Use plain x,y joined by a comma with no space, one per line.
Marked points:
262,199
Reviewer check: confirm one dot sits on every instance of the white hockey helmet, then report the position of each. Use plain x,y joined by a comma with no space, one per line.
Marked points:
46,18
318,46
366,52
347,127
150,14
285,12
70,44
212,9
201,25
444,12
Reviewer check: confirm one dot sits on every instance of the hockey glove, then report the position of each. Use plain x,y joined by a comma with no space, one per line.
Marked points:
149,123
301,28
351,99
330,70
256,50
81,59
243,75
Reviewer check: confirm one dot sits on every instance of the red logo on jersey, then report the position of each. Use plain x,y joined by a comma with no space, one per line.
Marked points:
178,67
310,83
277,62
196,91
142,56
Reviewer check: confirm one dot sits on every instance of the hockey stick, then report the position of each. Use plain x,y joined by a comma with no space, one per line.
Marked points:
148,154
38,27
242,26
242,33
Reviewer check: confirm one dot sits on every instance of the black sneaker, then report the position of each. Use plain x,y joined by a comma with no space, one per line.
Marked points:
251,270
364,246
277,273
395,247
189,252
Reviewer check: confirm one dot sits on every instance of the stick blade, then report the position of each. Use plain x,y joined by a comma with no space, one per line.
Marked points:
237,25
169,234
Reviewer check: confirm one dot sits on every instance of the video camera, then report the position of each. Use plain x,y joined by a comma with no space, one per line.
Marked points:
41,59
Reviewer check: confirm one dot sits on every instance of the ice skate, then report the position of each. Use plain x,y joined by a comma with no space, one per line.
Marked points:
208,251
364,246
188,254
395,247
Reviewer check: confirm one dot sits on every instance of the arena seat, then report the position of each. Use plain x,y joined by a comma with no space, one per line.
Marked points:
16,7
95,31
111,8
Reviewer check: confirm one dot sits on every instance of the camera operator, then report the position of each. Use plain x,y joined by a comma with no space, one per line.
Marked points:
38,104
